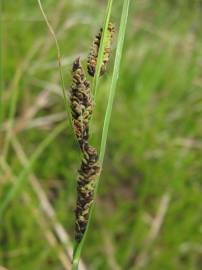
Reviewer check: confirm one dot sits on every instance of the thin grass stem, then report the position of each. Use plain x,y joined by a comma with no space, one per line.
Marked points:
115,77
1,64
58,58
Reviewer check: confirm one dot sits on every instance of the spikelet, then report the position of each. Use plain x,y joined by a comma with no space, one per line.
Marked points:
93,55
88,174
81,102
82,107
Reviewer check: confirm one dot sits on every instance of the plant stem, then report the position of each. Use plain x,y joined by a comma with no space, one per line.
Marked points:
1,64
65,97
76,256
58,58
120,43
115,77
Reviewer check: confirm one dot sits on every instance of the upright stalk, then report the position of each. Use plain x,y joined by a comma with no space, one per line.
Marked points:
1,63
115,77
58,58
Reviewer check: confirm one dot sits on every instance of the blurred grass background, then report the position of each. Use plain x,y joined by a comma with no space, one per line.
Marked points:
148,214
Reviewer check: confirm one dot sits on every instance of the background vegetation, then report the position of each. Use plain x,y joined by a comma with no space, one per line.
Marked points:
148,214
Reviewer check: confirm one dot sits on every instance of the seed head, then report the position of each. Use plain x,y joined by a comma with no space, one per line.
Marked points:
82,107
93,55
81,102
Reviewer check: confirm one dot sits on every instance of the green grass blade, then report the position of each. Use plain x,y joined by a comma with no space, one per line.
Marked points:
120,43
22,177
115,77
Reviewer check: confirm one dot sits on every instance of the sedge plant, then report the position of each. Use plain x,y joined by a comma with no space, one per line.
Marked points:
81,120
120,42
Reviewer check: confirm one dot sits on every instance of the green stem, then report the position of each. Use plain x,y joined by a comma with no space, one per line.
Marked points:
58,58
115,77
76,255
1,64
120,43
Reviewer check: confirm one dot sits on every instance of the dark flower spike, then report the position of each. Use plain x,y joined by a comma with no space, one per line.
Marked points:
81,102
93,55
88,174
82,107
